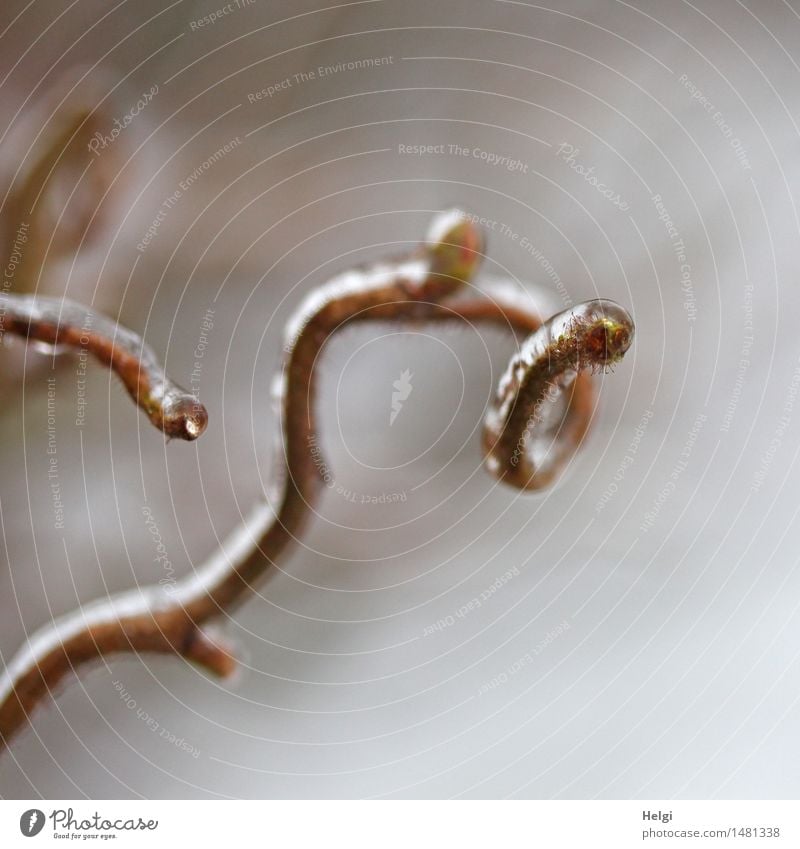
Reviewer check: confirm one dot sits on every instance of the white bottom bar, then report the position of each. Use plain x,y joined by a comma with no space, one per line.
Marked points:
401,825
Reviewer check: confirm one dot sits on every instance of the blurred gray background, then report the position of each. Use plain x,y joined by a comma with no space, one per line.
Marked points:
639,631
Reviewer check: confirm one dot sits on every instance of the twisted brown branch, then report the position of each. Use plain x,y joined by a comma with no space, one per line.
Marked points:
418,288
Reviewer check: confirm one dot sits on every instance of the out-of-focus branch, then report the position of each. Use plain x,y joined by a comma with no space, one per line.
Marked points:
53,188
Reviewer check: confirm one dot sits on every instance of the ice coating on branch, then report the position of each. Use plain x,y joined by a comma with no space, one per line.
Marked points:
528,434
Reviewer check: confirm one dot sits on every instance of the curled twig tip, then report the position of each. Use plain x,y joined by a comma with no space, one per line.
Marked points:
537,420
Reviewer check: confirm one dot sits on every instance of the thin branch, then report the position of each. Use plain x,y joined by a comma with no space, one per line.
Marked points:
60,323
